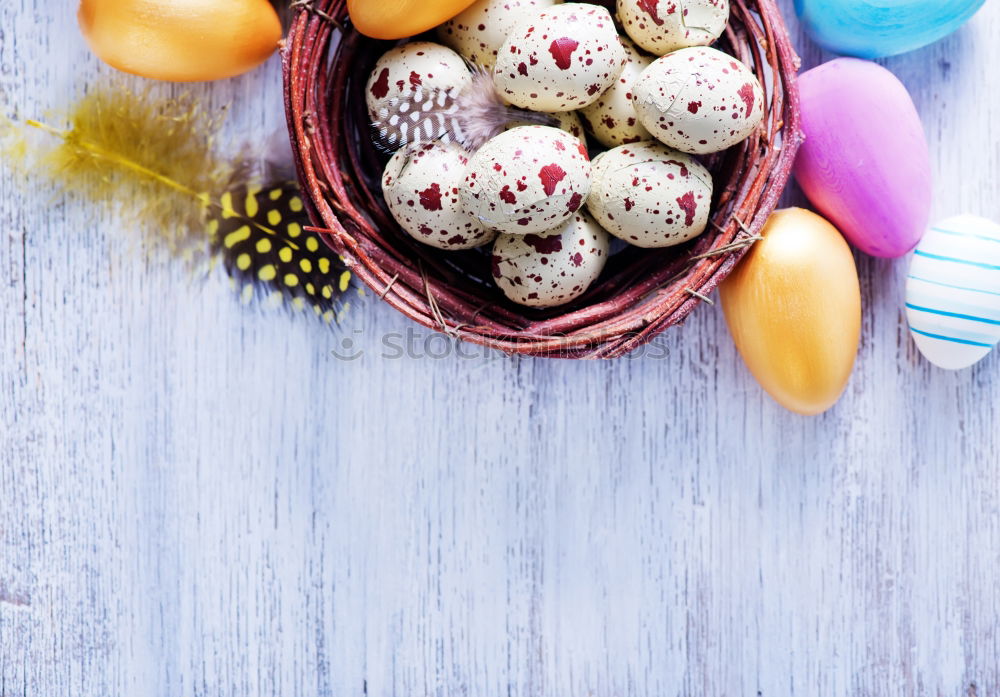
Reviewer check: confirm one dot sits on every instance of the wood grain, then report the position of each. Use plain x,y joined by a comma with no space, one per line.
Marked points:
196,499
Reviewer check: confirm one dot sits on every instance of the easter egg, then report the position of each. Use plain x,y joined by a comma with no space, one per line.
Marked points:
876,28
478,32
560,58
698,100
553,267
953,291
421,188
529,179
649,195
181,40
397,19
612,118
864,164
793,306
662,26
412,66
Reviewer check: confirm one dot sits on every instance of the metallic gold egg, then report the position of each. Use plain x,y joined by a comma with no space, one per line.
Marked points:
793,307
398,19
181,40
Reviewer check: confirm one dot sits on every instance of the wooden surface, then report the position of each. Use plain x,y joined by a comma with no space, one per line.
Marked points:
196,499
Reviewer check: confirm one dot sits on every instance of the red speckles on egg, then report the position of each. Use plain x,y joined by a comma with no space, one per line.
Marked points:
544,244
380,86
668,194
419,64
478,32
526,180
551,175
659,27
699,100
688,204
420,187
562,52
430,198
650,7
748,96
550,268
566,70
612,116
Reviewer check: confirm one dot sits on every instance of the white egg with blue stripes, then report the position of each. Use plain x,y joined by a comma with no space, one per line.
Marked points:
953,291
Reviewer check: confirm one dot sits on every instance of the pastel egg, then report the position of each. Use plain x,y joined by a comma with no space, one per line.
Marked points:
415,65
793,306
421,188
649,195
698,100
181,40
551,268
953,291
612,118
478,32
527,180
662,26
876,28
397,19
864,164
560,58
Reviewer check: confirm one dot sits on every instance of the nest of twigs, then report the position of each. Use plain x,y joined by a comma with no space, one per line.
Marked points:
640,293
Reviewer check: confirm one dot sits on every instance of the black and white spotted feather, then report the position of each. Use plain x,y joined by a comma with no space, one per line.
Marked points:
468,116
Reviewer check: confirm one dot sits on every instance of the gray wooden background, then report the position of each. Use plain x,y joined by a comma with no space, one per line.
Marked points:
197,499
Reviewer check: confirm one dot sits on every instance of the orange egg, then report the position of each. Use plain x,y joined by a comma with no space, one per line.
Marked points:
793,307
397,19
181,40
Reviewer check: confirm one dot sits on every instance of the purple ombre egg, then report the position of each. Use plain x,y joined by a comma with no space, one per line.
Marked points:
864,164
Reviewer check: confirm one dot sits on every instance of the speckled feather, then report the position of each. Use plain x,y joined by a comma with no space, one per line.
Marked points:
468,115
258,236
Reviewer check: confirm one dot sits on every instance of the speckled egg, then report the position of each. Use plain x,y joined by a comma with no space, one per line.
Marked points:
421,186
698,100
528,179
649,195
560,59
612,118
662,26
568,121
478,32
403,69
552,268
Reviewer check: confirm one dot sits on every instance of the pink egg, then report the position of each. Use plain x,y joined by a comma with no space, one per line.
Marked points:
864,164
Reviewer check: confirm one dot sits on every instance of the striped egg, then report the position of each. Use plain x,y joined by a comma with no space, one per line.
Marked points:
953,291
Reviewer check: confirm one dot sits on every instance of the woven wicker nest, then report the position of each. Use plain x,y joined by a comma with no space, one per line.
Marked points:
641,291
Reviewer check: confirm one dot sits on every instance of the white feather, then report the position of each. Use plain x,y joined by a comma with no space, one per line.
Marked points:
468,116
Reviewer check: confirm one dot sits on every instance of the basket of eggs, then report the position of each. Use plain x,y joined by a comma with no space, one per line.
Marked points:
539,177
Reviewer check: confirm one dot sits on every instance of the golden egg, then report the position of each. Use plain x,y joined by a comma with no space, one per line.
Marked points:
181,40
397,19
793,307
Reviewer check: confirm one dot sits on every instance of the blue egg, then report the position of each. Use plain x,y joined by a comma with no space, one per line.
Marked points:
878,28
953,291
